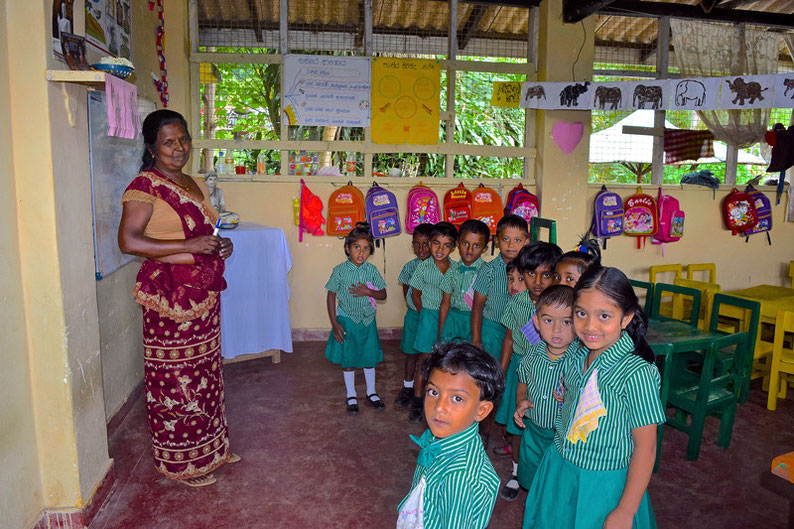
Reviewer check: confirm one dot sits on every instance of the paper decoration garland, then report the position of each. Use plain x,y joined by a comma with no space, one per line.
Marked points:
162,83
696,93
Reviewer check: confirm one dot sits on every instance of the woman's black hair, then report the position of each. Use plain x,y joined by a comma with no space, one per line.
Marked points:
423,230
457,357
587,254
614,284
361,231
475,226
512,221
151,128
556,296
537,254
445,229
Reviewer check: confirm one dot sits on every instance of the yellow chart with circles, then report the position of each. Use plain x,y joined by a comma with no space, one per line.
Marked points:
405,100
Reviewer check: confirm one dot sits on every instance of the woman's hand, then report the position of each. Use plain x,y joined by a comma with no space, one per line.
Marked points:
339,333
227,247
521,409
359,290
203,244
619,519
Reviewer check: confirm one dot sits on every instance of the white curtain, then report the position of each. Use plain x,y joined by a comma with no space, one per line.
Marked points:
705,49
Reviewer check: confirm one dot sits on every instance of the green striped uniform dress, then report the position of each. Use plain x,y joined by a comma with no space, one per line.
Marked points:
461,483
578,485
427,278
356,315
492,282
411,320
460,286
517,313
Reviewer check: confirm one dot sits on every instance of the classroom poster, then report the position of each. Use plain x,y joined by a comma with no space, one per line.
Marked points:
323,90
506,94
405,100
107,26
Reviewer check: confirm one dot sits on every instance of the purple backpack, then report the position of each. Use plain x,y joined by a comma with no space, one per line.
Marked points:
607,215
763,208
382,214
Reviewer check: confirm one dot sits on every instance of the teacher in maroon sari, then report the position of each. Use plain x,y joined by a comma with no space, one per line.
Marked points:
168,219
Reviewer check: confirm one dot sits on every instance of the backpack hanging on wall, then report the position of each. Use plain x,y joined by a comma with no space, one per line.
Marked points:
763,210
382,213
522,203
738,212
607,215
487,207
310,213
457,205
640,217
671,219
421,207
345,209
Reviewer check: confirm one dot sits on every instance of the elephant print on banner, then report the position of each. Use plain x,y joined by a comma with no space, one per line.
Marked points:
569,96
605,95
690,90
647,94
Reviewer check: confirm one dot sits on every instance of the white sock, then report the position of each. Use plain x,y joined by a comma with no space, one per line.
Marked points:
512,484
350,383
408,383
515,468
369,377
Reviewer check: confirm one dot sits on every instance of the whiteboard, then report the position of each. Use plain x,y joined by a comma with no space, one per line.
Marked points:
114,163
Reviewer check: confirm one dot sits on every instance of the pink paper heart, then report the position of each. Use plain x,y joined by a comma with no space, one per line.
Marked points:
567,135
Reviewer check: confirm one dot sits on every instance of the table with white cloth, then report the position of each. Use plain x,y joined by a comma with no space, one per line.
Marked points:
254,307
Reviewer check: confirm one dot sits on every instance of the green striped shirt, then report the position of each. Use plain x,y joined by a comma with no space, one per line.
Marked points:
461,484
427,278
358,309
517,313
492,282
542,377
405,279
461,285
629,388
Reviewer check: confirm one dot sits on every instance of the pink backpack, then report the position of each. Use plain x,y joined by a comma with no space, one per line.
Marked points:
671,219
422,206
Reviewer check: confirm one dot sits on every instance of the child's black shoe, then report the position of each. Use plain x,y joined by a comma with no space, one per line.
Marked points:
404,397
415,413
510,490
352,406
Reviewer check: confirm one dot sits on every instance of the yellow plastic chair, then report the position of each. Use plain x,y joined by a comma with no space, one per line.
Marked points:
666,308
707,291
781,363
711,268
791,273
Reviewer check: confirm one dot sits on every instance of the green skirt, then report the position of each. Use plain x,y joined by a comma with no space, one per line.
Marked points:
457,326
493,334
361,347
410,323
507,406
564,496
534,442
427,330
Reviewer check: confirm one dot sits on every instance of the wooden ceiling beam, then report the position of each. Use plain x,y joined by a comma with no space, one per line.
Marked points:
575,10
254,10
694,12
731,4
470,26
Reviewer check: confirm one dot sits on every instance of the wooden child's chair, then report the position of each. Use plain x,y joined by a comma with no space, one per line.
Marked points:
781,363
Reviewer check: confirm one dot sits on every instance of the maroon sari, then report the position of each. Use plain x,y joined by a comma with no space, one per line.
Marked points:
183,368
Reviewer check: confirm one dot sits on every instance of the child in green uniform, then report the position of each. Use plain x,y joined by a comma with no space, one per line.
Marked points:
571,265
540,375
353,343
535,262
596,473
455,484
421,248
426,282
454,317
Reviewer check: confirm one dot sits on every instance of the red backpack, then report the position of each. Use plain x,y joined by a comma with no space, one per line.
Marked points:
522,203
345,208
487,207
309,213
457,205
640,217
738,212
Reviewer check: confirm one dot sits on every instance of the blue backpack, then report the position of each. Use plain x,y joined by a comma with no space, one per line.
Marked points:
382,213
763,207
607,215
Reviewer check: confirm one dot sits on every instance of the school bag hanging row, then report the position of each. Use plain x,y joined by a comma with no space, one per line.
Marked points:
345,209
607,216
640,217
486,205
671,220
457,205
421,207
738,212
310,213
382,213
522,203
763,210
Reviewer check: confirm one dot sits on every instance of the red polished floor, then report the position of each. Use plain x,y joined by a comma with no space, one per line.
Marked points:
306,464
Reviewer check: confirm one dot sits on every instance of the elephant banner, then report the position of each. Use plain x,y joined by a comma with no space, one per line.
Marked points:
747,91
702,93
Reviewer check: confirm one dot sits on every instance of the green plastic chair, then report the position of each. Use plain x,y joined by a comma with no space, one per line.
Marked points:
678,293
738,315
535,223
648,293
664,361
710,392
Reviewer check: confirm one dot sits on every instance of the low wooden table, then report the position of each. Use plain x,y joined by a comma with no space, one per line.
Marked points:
772,299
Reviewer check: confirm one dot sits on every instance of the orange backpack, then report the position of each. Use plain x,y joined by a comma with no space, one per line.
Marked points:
457,205
487,207
345,208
